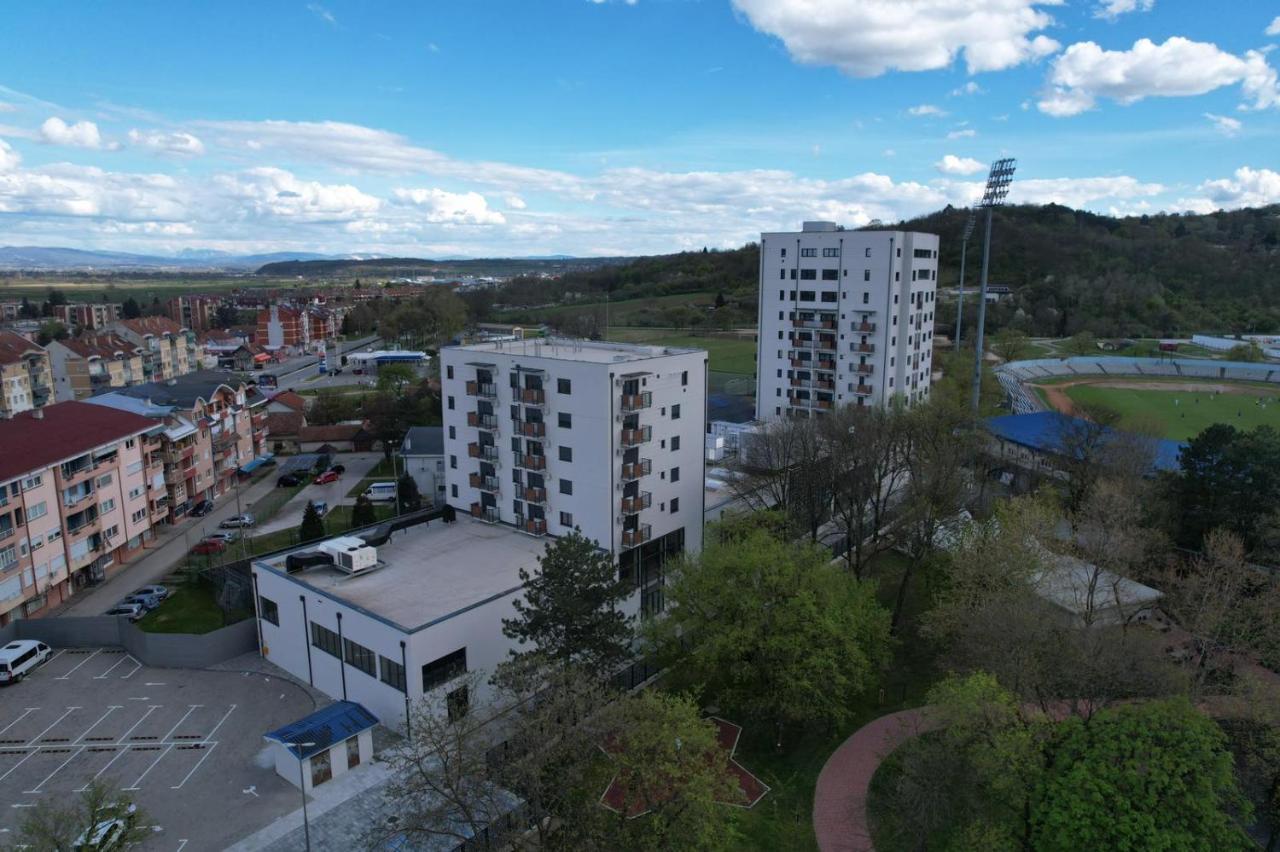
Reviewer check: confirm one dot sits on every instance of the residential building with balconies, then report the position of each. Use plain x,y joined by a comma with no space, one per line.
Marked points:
79,316
25,378
94,363
550,435
168,350
845,318
197,313
283,325
74,504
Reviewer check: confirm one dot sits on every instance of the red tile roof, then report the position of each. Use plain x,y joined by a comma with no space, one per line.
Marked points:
285,423
34,440
336,432
291,399
14,346
151,325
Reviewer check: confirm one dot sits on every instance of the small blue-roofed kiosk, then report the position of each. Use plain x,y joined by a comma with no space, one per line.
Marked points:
329,742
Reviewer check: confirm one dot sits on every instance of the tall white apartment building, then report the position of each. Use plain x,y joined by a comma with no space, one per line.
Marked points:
846,318
548,435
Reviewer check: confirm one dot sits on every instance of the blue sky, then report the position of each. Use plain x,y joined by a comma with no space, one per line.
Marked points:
580,127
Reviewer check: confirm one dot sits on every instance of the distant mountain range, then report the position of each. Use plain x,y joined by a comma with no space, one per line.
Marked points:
54,258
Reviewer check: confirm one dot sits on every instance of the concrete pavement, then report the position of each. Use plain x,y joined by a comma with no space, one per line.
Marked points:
289,517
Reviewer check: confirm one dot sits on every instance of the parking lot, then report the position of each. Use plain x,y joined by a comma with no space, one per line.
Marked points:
185,745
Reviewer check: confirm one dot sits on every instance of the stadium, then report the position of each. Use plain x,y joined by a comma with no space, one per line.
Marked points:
1178,396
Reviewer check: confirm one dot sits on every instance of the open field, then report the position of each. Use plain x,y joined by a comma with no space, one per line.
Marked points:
619,311
1181,407
728,353
142,288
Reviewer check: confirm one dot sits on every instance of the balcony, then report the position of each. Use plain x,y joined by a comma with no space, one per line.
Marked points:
801,364
635,470
632,402
864,327
485,483
636,537
227,440
825,364
636,437
863,390
632,505
826,344
529,461
799,383
864,347
179,456
488,452
488,514
827,324
533,396
535,495
865,369
83,528
535,526
825,384
69,500
482,390
488,422
533,429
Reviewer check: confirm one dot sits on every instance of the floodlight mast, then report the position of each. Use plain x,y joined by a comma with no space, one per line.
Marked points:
964,246
998,182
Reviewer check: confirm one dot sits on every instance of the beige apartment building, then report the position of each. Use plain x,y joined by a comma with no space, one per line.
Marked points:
25,378
94,363
74,504
168,349
79,316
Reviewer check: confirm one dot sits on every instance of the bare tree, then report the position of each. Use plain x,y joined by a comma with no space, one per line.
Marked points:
48,827
865,447
784,466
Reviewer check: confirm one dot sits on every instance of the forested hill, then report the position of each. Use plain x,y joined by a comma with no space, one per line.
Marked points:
1156,275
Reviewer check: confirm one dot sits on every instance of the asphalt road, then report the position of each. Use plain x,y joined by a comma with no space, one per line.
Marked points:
294,372
335,493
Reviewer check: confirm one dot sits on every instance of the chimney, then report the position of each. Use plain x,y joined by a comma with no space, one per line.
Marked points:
38,413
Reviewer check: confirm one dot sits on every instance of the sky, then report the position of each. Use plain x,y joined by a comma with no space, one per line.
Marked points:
604,127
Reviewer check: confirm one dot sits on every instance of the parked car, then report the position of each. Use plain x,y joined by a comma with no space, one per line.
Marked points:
21,656
108,833
209,546
227,536
159,591
132,611
147,602
339,469
202,508
288,481
237,521
327,477
322,508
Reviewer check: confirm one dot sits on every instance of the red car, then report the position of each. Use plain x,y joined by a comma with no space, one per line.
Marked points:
327,477
209,546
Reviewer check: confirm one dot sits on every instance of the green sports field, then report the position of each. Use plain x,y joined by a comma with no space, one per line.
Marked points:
1181,408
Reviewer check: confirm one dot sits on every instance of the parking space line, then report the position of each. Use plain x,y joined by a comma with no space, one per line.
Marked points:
136,666
110,709
36,738
68,675
103,676
73,756
24,715
209,735
148,769
20,762
165,738
96,775
150,709
202,759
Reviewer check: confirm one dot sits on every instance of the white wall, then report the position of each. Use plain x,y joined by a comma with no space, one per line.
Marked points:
428,472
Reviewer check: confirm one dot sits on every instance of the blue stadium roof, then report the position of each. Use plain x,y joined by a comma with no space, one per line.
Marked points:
1044,431
324,728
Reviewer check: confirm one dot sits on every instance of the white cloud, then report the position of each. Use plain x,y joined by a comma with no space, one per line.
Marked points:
1246,188
1177,68
967,133
9,158
514,201
7,107
1273,29
1224,124
69,190
953,165
276,193
322,13
454,208
866,38
1112,9
969,88
177,143
1081,192
926,110
82,134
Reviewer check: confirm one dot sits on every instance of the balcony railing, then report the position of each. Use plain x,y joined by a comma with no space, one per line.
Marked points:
635,537
483,390
863,390
533,429
631,505
864,347
488,452
865,369
801,363
825,384
535,526
484,483
636,437
488,514
826,343
533,396
636,401
535,495
529,461
830,324
488,422
866,327
825,364
637,469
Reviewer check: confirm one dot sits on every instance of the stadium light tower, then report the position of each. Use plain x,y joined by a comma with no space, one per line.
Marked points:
964,246
998,182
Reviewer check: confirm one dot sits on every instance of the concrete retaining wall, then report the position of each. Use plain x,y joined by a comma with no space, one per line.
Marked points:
162,650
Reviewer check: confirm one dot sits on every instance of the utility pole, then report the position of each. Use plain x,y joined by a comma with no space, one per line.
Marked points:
964,247
998,182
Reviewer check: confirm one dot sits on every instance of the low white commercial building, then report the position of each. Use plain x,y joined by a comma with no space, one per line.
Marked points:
423,453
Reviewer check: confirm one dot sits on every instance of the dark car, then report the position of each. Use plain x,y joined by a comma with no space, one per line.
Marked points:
287,481
209,547
202,508
339,469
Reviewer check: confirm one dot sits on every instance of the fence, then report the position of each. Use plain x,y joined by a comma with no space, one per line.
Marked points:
162,650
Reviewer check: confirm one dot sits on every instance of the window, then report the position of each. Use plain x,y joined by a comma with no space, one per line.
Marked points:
326,640
131,443
831,252
444,669
564,420
784,252
391,673
103,481
360,657
566,520
868,252
106,506
922,253
564,386
793,275
135,493
453,491
136,467
137,516
831,275
808,252
566,454
566,486
684,378
32,482
675,443
39,510
866,275
807,295
450,403
453,462
829,296
453,433
782,274
675,412
448,371
353,752
675,474
866,298
457,703
808,274
269,610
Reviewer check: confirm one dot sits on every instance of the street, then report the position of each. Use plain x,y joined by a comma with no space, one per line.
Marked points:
289,517
295,372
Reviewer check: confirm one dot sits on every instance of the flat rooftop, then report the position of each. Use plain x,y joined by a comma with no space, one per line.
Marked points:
429,571
565,349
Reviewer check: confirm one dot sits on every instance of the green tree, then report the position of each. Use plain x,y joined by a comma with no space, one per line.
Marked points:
393,377
312,524
407,491
28,310
1155,775
131,309
1249,351
795,642
226,316
1082,343
55,298
571,611
50,331
363,513
1230,480
1010,344
51,827
386,415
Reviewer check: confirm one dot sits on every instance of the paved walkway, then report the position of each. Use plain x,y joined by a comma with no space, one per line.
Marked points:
840,797
289,517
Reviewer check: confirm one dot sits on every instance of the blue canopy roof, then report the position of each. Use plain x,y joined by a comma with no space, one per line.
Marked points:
257,463
1045,431
324,728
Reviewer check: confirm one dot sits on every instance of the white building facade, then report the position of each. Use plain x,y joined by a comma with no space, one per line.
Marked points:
845,318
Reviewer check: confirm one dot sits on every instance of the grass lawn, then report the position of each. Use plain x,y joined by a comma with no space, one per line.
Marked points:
1183,414
728,354
271,503
380,472
619,310
783,820
190,609
337,521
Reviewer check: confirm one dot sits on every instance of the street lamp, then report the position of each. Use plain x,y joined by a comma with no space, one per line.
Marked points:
998,182
302,785
964,246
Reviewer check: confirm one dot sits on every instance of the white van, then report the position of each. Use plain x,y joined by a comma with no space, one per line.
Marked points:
379,491
18,658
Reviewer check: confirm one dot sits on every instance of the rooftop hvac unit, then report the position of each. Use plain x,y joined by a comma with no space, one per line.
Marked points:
351,555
